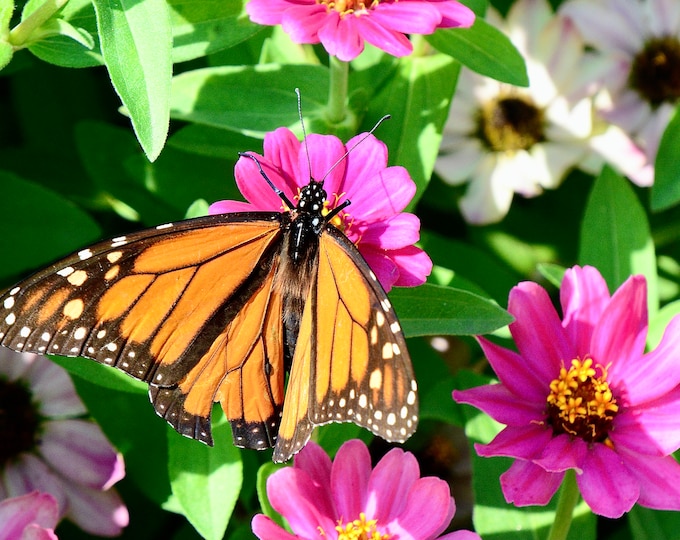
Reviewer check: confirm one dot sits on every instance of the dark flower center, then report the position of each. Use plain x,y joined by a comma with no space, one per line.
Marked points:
655,73
19,420
510,123
581,404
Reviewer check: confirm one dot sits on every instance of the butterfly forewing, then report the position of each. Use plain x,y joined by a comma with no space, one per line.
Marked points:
351,363
158,305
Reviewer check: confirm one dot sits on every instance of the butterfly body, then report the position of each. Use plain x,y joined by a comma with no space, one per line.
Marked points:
220,308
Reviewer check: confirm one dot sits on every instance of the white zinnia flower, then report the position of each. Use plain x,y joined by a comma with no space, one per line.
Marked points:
638,47
504,139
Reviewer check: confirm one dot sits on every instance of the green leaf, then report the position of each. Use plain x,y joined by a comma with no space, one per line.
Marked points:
136,42
417,97
206,480
666,188
6,53
76,17
433,310
216,97
552,272
659,323
483,49
100,375
25,209
615,235
263,473
647,524
200,28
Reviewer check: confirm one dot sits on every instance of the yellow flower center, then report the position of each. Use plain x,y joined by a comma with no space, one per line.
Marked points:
343,220
346,7
580,402
360,529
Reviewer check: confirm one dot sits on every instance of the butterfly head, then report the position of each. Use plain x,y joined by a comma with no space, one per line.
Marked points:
312,198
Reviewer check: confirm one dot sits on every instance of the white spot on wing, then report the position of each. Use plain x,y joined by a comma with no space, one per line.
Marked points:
9,302
25,332
65,272
85,254
10,318
164,226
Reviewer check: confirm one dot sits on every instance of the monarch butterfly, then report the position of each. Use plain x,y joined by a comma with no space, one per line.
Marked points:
221,308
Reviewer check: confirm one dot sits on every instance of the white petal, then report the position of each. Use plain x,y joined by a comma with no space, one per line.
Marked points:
101,513
555,160
27,474
663,17
488,198
617,149
458,166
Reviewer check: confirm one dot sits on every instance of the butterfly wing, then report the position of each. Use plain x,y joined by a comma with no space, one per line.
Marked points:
351,363
163,305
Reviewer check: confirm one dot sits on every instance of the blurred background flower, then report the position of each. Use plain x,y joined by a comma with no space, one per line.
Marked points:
29,517
46,445
637,50
503,139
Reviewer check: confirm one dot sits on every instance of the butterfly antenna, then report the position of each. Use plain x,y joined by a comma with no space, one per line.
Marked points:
329,171
280,193
304,131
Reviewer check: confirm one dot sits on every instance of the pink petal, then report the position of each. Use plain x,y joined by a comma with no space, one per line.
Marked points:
407,17
282,150
230,207
526,484
620,336
429,497
18,513
265,529
538,331
461,535
270,12
652,428
502,405
393,476
606,485
414,266
315,462
454,15
519,442
659,480
656,373
305,504
390,41
79,451
382,265
349,478
255,189
367,157
35,532
561,453
53,389
341,37
383,195
513,371
394,233
303,23
101,513
584,296
324,153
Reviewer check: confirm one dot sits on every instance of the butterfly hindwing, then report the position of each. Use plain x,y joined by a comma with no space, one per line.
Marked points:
159,305
351,362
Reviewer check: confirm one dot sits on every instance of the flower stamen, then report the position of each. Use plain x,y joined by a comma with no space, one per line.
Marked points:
655,72
360,529
509,123
347,7
581,403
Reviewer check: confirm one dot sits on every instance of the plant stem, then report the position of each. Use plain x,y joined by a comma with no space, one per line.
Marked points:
568,498
336,111
22,32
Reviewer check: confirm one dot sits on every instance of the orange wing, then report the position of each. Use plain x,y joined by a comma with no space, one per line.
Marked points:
183,307
351,363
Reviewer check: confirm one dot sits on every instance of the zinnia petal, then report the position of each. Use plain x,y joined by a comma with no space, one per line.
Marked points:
527,484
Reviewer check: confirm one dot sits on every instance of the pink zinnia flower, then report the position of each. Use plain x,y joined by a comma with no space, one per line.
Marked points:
581,394
343,26
46,446
374,221
29,517
342,499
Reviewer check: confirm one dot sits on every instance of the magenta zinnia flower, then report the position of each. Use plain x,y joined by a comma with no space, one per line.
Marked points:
29,517
581,394
46,445
346,499
374,221
343,26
